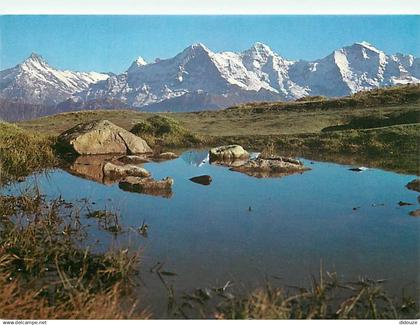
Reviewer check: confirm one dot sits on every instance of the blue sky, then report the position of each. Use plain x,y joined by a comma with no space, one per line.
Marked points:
111,43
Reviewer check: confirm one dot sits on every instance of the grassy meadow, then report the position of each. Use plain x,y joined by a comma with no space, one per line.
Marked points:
378,128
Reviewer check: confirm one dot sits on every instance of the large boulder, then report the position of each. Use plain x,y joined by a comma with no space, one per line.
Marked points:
271,166
228,153
102,137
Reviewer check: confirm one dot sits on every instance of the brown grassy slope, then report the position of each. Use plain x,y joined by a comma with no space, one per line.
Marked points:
257,118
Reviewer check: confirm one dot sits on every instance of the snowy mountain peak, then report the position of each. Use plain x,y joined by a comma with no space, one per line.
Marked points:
261,48
199,46
35,60
258,52
35,56
34,81
196,48
198,78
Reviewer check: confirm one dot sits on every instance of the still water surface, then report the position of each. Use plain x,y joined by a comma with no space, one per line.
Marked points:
245,229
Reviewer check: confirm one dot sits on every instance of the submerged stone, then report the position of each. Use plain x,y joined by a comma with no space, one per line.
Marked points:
271,166
148,186
166,156
112,170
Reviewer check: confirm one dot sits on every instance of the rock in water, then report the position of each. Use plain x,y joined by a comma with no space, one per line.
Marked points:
415,213
203,179
167,155
112,170
358,169
133,159
272,166
228,153
105,169
414,185
402,203
101,137
148,186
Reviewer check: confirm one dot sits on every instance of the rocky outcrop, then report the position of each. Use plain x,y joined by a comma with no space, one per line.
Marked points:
101,137
203,179
228,153
414,185
115,171
271,166
148,186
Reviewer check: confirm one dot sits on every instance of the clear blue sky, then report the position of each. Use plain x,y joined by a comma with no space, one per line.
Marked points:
111,43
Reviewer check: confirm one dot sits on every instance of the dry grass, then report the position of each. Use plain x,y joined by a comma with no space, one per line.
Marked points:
325,298
21,303
47,271
22,152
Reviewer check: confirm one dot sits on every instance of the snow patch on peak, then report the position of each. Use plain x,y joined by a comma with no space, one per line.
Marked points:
342,63
137,63
140,61
368,46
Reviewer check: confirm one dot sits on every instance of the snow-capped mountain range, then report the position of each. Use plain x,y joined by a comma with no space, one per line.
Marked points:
35,82
198,78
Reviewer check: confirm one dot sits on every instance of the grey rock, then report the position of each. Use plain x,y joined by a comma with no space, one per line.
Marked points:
102,137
